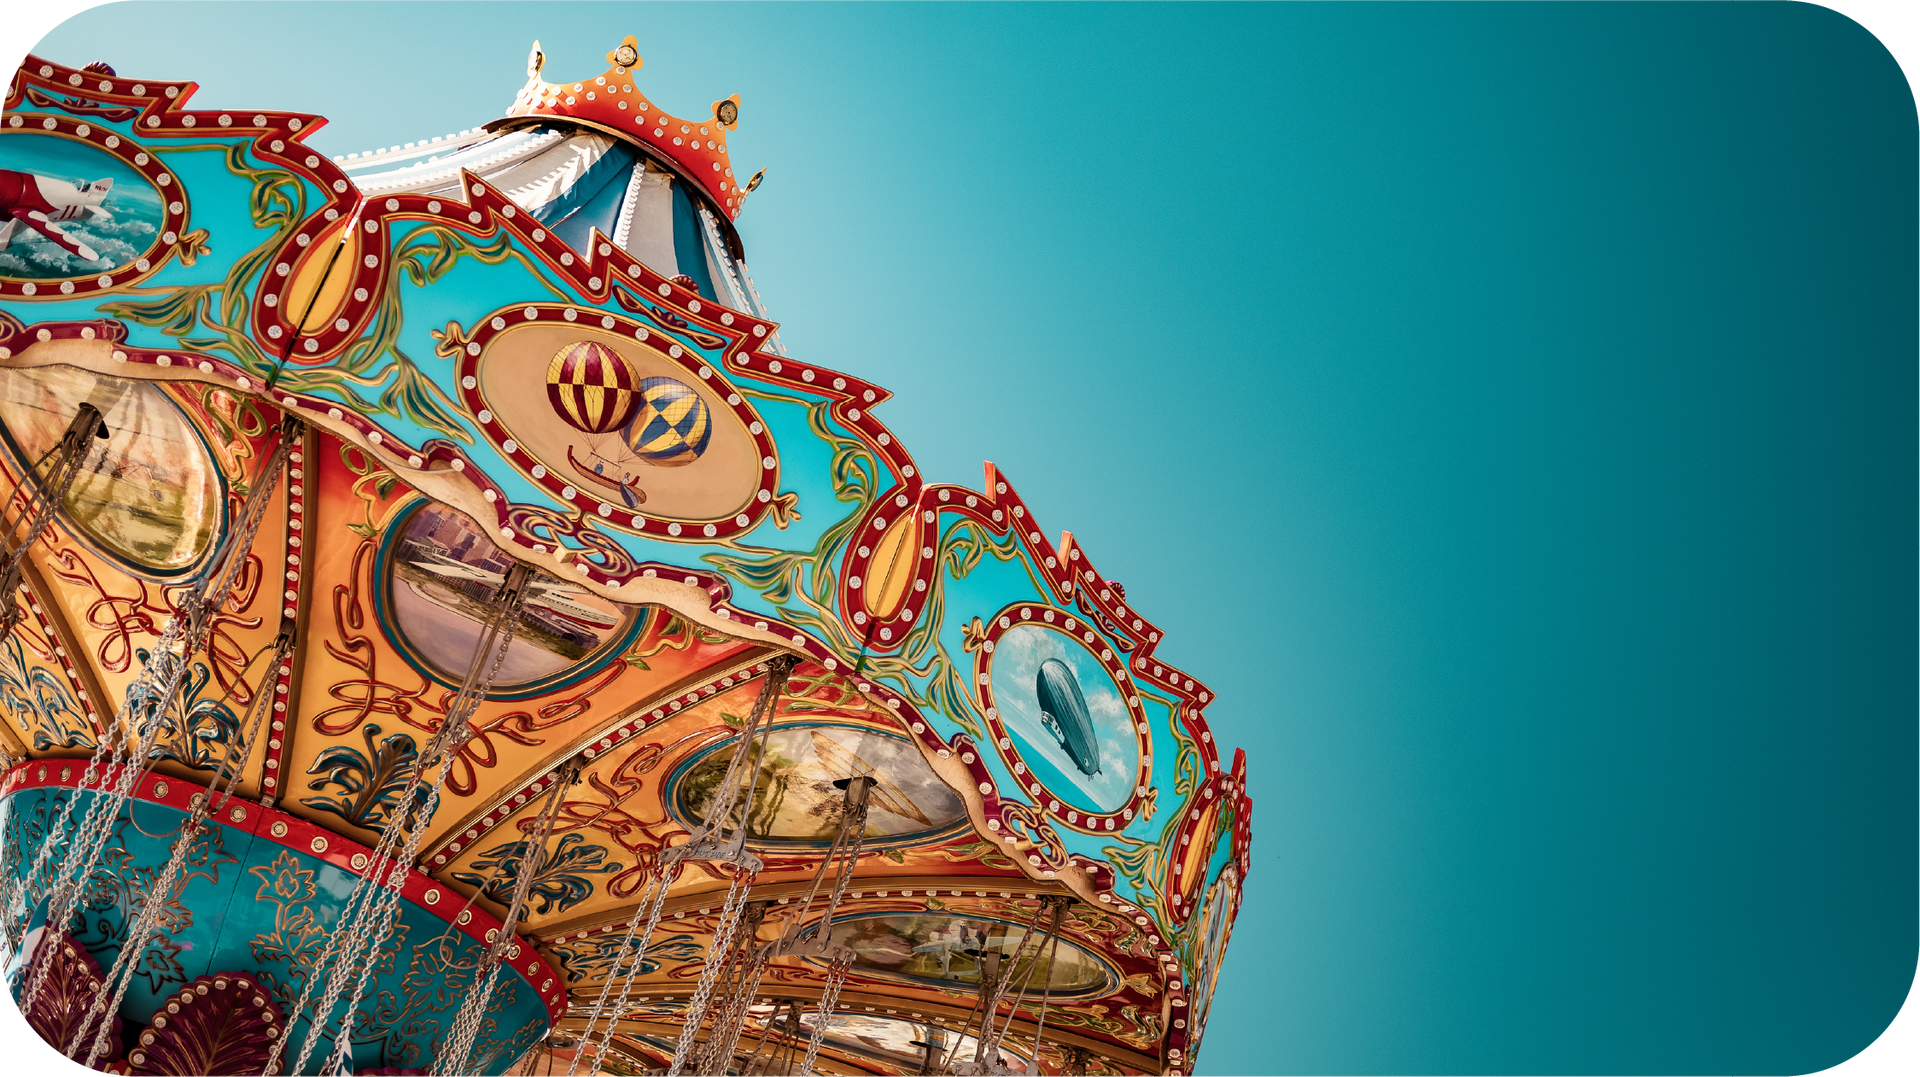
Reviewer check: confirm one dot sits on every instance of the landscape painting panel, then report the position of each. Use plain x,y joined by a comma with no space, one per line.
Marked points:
444,575
794,798
149,492
946,950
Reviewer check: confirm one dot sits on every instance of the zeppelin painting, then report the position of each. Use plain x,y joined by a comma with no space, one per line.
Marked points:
1066,715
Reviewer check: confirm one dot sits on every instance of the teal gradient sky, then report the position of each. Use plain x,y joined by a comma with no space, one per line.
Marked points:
1532,471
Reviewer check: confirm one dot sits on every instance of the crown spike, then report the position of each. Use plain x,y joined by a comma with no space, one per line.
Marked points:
612,103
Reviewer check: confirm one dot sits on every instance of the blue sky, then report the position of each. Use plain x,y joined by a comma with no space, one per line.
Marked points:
1508,409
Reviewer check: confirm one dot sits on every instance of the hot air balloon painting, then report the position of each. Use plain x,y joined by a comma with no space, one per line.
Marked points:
592,387
1066,716
629,420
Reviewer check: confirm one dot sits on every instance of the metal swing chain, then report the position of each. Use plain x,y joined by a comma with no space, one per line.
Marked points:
699,843
722,938
752,739
161,890
766,1035
989,1001
744,967
466,1023
146,704
1046,996
829,1000
179,640
368,913
655,899
44,499
1058,905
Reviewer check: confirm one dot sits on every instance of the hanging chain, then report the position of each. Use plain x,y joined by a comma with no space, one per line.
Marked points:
1046,985
829,999
705,843
722,938
466,1023
368,915
161,890
656,898
44,498
744,967
145,706
993,989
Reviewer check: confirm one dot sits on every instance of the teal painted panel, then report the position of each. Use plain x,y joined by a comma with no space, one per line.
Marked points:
254,906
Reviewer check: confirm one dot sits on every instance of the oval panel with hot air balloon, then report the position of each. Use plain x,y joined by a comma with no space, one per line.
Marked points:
1065,715
625,419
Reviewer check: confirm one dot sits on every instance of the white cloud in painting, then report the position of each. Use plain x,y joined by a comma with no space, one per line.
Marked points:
118,242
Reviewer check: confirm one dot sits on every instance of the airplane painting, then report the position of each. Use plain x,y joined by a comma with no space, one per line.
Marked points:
41,203
69,209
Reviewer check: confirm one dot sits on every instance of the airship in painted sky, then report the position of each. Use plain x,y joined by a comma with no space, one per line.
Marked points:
1063,710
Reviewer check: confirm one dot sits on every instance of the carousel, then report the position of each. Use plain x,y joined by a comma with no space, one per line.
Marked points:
445,631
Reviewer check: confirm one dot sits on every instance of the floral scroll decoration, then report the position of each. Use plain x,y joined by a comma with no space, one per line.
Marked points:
120,886
38,702
593,959
559,878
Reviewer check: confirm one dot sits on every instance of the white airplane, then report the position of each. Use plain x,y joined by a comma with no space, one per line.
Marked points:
28,200
545,591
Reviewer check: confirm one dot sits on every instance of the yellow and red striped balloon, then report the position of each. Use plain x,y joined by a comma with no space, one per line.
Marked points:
592,387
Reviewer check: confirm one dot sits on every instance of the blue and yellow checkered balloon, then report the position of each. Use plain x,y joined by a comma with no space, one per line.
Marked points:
672,426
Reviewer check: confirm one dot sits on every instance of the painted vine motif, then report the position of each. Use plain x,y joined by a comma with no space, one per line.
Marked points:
291,949
559,877
120,886
43,708
374,376
594,959
371,782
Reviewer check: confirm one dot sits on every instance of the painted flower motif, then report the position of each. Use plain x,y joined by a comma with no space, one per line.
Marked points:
282,881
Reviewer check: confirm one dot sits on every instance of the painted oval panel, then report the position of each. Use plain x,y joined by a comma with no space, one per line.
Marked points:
934,949
618,418
1066,716
794,799
1209,945
68,209
149,494
442,574
887,1039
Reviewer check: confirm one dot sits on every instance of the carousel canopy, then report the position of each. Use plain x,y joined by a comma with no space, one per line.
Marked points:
447,631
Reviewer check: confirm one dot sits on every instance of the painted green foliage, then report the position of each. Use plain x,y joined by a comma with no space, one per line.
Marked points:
596,958
43,708
371,781
559,878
